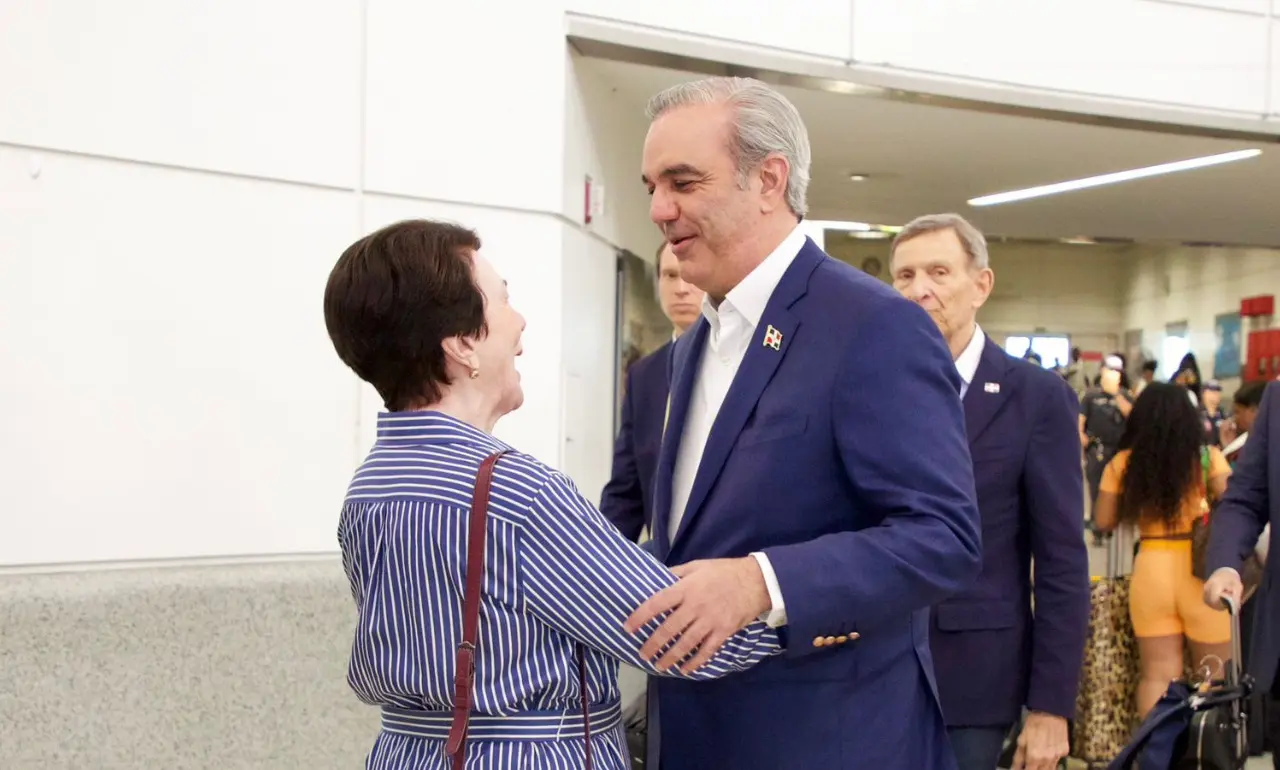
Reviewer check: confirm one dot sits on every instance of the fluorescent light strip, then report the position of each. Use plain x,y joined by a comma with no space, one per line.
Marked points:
1119,176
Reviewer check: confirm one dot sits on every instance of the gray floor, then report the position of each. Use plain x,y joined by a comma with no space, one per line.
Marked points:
1098,566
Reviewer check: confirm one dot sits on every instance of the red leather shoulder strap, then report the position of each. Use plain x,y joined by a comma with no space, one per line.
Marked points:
464,677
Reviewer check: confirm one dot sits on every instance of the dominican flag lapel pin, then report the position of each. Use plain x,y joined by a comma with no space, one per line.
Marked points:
773,338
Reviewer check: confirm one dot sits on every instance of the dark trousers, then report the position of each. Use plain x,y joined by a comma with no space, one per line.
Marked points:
1273,723
977,748
1093,468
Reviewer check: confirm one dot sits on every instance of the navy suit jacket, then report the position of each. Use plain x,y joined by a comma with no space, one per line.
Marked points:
1252,500
991,653
627,499
841,454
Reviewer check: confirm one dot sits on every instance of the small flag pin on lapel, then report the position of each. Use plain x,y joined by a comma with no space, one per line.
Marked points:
773,338
991,387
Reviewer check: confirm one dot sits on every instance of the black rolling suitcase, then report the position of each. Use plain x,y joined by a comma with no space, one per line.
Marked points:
1202,728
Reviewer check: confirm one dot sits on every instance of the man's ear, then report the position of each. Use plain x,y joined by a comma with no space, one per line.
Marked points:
774,172
986,284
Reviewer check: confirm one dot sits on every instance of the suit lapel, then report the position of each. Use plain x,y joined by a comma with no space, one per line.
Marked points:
686,354
988,392
777,326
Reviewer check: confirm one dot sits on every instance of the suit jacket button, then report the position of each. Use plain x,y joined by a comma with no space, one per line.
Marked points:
830,640
854,635
842,639
819,641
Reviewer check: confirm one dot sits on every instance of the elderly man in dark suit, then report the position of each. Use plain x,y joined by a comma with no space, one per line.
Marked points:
993,655
627,498
1252,502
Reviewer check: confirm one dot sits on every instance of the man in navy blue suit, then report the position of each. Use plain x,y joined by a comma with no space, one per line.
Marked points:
627,498
1252,502
814,470
992,654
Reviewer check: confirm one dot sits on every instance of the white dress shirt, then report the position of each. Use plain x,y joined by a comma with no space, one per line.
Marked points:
970,357
733,324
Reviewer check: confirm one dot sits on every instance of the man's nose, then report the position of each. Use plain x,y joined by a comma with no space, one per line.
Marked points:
918,290
662,208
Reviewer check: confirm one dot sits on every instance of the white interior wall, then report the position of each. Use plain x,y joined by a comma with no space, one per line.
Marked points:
1040,288
174,189
1210,55
1205,59
176,183
1194,285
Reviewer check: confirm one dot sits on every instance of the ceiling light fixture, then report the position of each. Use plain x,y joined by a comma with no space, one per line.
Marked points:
837,225
1119,176
858,177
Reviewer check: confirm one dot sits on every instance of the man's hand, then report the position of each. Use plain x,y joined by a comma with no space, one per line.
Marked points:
1223,582
713,599
1042,743
1228,431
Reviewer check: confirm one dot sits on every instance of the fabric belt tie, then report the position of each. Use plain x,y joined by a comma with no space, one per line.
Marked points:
524,726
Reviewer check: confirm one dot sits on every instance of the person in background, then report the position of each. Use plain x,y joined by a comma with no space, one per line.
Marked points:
1075,374
993,656
1234,431
1247,520
1211,415
1148,376
1188,376
416,311
1161,479
1103,411
815,469
1125,385
627,498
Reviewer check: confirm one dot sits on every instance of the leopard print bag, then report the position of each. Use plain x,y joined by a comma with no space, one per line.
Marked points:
1105,712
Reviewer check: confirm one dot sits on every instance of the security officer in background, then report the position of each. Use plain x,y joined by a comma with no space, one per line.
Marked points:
1103,413
1211,414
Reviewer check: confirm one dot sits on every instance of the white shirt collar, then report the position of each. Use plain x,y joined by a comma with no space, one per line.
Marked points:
971,356
752,293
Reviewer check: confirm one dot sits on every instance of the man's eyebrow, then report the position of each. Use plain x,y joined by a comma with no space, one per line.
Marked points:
680,169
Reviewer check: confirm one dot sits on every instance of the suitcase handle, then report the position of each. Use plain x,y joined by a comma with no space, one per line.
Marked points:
1235,672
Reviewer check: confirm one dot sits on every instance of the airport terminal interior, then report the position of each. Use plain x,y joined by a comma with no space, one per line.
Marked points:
178,180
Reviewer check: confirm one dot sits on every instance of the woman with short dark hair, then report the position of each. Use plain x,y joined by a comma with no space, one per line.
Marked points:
417,312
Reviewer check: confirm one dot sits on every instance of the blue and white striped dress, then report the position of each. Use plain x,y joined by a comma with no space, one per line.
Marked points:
556,573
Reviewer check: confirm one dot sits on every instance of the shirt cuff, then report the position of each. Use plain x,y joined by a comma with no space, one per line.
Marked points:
777,616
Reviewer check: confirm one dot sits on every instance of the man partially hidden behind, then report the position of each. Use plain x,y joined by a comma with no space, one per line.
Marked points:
993,655
1244,409
628,497
1103,413
783,491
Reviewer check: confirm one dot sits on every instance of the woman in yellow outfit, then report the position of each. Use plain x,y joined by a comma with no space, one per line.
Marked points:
1162,478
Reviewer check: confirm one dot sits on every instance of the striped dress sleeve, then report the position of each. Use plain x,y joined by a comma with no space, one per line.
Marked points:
583,578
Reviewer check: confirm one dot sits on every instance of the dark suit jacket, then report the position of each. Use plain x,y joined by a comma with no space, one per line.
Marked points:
627,500
991,653
840,452
1252,500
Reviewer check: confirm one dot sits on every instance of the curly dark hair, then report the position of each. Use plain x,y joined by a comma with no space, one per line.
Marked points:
1163,436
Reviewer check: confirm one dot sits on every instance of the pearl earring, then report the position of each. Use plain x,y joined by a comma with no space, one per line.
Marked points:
475,373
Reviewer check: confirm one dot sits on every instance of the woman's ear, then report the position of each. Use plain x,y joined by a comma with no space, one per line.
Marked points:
462,352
